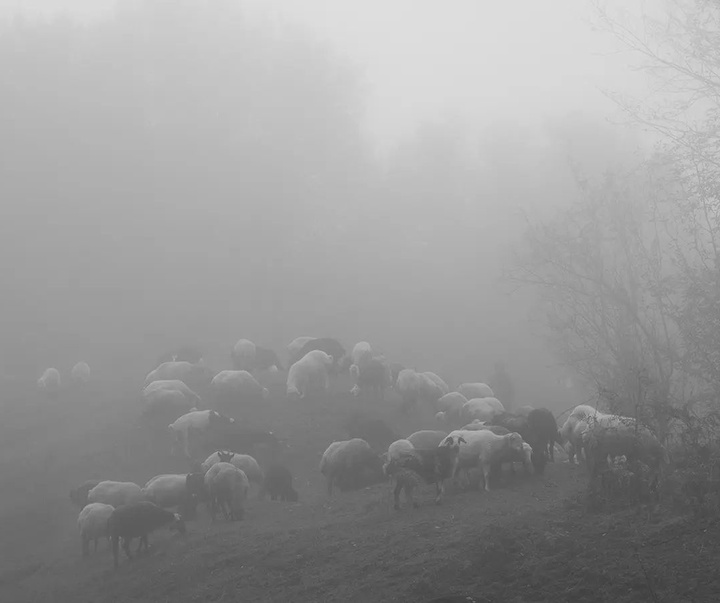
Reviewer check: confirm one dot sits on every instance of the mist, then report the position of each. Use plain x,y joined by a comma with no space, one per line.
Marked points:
200,173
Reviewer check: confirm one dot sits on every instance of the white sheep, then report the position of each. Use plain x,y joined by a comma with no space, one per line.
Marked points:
242,461
308,373
476,390
350,463
170,394
50,382
237,385
360,352
115,493
199,420
485,449
294,347
483,409
80,373
427,438
192,375
92,523
442,386
398,449
228,488
570,434
243,355
451,404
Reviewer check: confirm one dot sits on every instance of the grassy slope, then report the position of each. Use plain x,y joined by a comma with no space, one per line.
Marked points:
522,542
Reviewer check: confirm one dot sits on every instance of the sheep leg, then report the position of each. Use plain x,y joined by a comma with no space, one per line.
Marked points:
409,496
486,475
439,491
396,492
126,547
85,546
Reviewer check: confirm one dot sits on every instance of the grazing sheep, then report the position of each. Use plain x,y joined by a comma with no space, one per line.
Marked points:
361,352
427,438
373,375
169,399
137,520
93,525
408,385
195,376
227,488
476,390
237,386
481,409
397,450
543,426
256,443
242,461
350,464
278,484
266,359
199,420
49,382
309,373
294,347
243,355
570,434
486,449
433,465
80,373
115,493
442,386
79,495
173,490
332,347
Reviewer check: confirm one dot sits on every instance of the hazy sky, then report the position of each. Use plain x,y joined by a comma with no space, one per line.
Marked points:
482,59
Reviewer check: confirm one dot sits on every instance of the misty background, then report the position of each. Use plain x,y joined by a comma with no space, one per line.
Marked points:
188,171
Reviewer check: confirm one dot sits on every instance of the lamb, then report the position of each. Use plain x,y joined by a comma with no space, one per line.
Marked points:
92,523
200,420
476,390
80,373
228,488
79,495
350,464
115,493
311,371
137,520
242,461
278,484
486,449
434,465
50,382
427,438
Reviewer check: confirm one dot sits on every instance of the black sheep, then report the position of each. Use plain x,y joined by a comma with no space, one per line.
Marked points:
543,425
278,484
137,520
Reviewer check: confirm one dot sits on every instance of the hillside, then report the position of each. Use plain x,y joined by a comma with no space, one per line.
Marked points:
528,540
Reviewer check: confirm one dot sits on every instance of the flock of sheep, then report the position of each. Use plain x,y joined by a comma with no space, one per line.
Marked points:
474,437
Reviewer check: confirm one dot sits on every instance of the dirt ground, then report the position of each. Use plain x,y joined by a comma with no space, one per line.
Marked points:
530,539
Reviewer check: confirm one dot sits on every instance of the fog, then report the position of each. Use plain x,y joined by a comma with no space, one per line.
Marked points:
200,172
